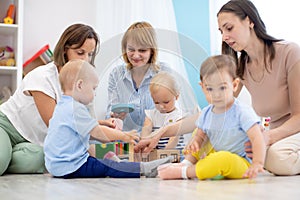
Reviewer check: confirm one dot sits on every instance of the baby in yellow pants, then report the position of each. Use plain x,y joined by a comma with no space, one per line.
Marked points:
217,148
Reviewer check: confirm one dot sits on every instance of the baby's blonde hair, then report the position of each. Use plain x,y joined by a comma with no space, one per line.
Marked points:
166,80
74,70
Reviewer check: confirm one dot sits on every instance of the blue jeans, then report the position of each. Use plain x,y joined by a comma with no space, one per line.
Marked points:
96,168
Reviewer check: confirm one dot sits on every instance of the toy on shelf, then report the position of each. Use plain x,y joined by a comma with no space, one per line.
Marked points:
10,16
42,57
7,56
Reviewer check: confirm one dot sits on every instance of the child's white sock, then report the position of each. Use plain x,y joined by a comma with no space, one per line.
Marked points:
149,169
184,172
187,162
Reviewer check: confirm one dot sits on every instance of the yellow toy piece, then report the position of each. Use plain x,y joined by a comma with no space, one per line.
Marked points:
7,56
8,62
9,19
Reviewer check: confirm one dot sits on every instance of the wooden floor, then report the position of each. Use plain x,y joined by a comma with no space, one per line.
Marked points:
32,187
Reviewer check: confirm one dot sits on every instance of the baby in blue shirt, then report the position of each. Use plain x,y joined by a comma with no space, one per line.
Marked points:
71,127
217,148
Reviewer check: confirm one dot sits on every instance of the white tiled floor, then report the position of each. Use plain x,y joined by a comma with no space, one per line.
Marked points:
32,187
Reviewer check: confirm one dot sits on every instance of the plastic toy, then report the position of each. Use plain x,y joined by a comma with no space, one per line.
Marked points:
7,56
119,108
9,19
266,123
42,57
7,62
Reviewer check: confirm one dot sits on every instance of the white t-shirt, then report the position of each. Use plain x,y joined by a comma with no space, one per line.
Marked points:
162,119
21,110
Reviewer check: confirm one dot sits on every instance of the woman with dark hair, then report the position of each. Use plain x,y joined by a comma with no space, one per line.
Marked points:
269,68
24,118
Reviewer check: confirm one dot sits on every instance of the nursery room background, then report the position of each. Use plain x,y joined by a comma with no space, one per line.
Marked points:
187,32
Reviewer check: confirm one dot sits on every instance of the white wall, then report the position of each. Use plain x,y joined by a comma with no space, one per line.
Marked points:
44,25
44,21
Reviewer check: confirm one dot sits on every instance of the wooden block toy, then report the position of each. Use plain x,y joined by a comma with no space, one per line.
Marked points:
122,149
161,153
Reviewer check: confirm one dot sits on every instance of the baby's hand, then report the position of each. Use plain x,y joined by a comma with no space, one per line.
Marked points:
253,170
131,137
193,146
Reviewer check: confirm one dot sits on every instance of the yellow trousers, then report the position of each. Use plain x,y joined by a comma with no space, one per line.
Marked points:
211,163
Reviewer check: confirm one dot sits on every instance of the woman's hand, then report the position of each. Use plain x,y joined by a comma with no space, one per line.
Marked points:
131,137
146,145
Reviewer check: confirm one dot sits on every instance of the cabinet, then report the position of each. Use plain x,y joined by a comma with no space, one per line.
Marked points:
12,35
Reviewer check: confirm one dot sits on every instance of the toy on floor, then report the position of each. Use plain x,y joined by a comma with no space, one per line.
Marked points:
10,16
158,154
7,56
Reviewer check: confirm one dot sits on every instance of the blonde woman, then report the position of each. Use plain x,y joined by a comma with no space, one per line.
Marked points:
129,83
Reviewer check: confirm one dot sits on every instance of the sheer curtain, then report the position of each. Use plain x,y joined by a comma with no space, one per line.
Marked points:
114,17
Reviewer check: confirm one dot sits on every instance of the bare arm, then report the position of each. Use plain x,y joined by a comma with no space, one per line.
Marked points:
181,127
198,140
108,122
45,105
105,134
172,143
186,125
259,151
147,128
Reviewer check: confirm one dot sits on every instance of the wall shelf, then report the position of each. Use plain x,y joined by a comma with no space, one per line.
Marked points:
12,35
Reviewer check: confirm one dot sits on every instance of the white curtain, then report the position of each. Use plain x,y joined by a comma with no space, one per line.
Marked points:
113,19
